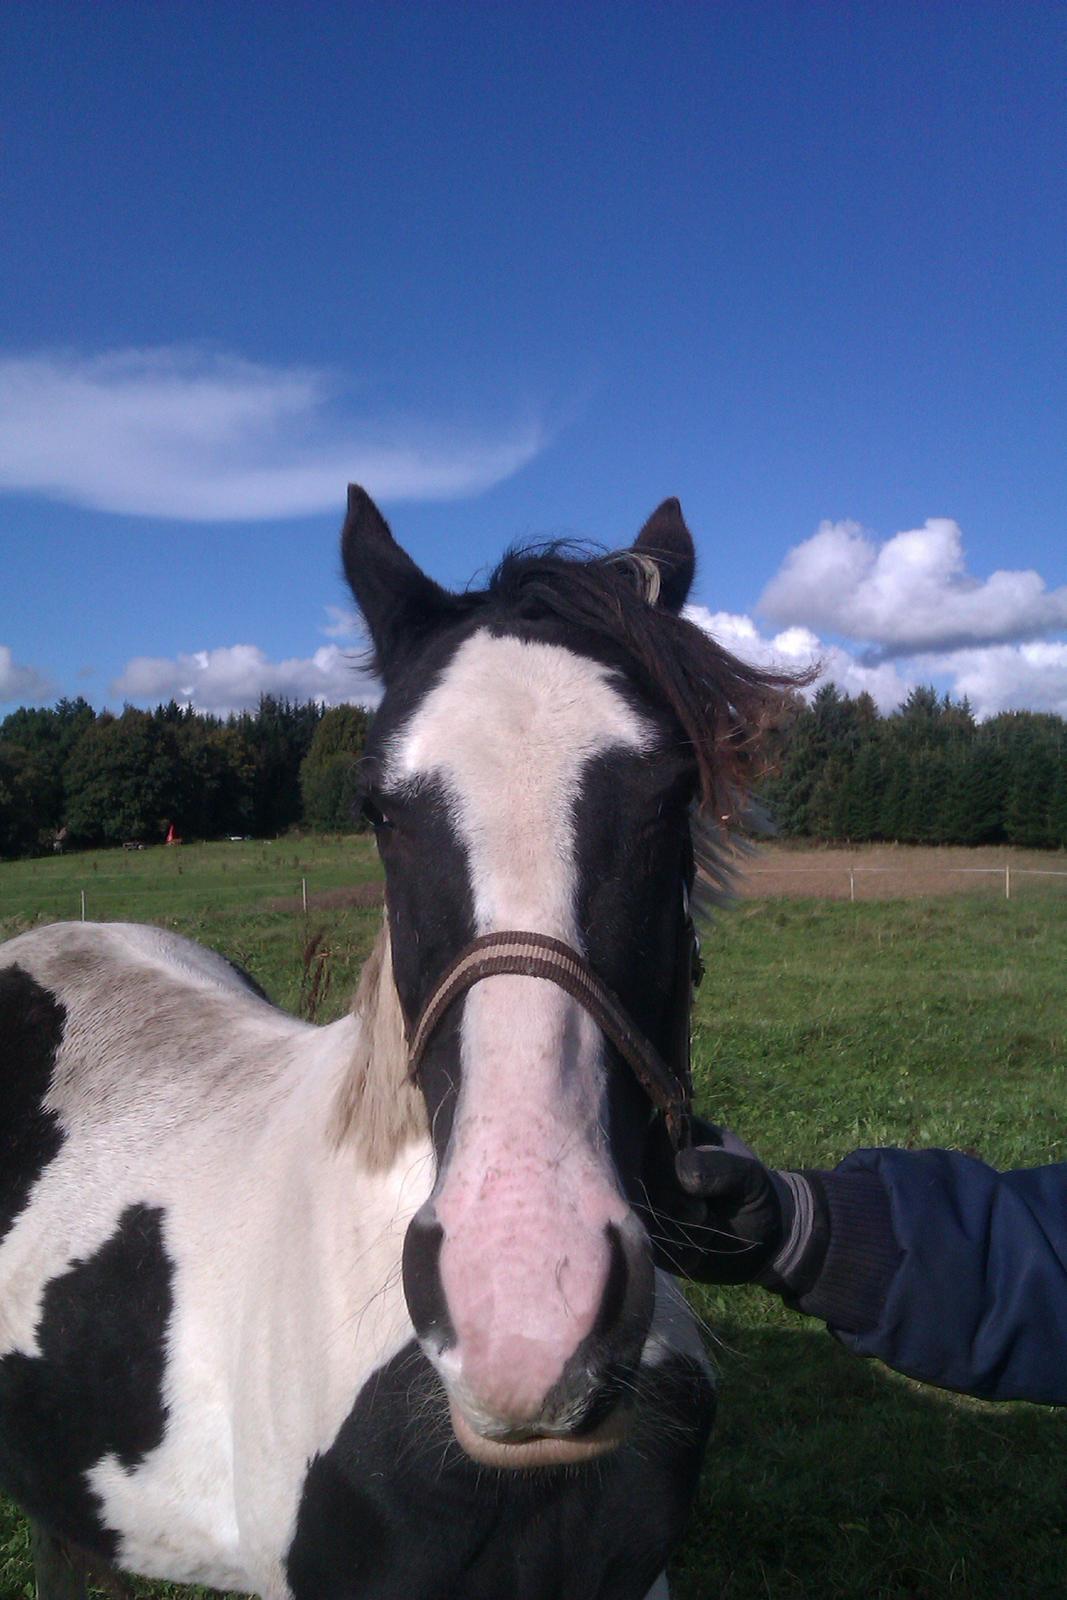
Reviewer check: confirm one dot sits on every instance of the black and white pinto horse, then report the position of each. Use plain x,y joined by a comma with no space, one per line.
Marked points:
280,1314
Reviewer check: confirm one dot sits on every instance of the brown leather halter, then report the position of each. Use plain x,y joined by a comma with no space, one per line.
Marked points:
535,955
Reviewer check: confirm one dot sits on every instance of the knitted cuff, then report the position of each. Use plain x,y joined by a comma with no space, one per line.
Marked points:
862,1254
805,1233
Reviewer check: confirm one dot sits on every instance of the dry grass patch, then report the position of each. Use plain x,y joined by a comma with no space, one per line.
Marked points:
899,872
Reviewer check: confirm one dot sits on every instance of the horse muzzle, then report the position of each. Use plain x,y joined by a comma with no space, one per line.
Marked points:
525,1451
538,1368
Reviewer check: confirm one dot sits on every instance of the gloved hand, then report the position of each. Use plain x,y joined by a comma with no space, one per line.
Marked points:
723,1217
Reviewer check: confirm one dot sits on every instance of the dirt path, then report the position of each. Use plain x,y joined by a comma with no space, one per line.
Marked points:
899,872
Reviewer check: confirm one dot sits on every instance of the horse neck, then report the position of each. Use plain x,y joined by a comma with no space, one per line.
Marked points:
379,1111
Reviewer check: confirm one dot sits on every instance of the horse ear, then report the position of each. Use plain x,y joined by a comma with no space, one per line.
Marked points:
400,604
668,541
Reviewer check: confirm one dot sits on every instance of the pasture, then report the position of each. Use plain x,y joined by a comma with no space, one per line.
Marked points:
822,1025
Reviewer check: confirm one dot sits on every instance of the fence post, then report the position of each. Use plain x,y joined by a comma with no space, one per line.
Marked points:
83,905
852,883
304,894
1007,880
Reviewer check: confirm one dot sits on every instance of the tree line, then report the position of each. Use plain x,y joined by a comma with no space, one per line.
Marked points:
928,773
70,776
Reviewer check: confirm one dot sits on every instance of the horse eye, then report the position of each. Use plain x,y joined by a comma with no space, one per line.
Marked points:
373,814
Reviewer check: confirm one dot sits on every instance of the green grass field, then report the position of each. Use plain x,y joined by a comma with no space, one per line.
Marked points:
244,899
821,1026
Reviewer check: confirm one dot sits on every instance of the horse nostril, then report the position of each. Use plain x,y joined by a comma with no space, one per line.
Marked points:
423,1288
600,1371
613,1301
625,1313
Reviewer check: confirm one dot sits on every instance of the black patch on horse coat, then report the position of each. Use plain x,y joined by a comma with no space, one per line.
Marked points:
96,1389
631,831
423,1289
31,1032
395,1511
431,918
428,893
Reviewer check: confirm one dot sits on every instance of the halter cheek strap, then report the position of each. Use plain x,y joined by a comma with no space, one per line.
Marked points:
535,955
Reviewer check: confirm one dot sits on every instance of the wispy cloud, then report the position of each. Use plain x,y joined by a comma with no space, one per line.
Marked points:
233,677
20,683
200,436
342,623
910,594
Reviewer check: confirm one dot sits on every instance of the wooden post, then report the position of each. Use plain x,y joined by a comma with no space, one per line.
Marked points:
304,894
58,1572
1007,881
83,905
852,883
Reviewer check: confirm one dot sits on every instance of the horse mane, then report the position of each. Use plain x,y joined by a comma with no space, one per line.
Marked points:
378,1107
725,707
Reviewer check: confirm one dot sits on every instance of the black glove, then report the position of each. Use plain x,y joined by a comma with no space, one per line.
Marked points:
726,1218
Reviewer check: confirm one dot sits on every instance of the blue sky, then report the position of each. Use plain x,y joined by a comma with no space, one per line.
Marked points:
525,273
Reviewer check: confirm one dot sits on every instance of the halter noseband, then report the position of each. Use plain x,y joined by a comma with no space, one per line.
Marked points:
535,955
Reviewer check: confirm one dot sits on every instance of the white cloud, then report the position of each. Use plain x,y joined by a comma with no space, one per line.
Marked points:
795,649
910,594
994,678
196,436
1026,677
232,678
25,685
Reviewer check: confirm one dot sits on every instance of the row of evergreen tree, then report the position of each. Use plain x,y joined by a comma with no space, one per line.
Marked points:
926,774
70,776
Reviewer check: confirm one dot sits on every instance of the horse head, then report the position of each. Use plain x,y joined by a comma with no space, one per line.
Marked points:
533,769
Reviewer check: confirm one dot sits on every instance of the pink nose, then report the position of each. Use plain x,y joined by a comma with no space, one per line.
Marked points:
539,1343
523,1297
509,1376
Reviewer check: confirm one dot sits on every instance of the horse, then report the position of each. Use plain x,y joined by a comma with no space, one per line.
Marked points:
368,1310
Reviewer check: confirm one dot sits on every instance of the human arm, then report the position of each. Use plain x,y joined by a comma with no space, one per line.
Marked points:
940,1266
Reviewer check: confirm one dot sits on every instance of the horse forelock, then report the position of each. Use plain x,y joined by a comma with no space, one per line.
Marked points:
723,705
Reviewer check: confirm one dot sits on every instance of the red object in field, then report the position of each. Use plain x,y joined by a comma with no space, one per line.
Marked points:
172,835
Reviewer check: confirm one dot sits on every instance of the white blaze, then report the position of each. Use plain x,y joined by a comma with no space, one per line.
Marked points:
529,1188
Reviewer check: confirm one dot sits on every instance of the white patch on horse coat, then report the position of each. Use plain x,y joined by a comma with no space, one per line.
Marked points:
509,731
177,1087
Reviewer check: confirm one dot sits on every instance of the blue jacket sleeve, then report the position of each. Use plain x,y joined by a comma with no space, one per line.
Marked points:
949,1271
